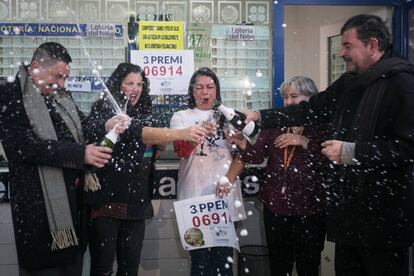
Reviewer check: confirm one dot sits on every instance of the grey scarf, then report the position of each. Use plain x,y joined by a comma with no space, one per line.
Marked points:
51,178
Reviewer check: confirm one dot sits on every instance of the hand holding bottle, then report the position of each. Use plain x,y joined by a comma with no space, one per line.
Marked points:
120,121
238,119
97,156
252,116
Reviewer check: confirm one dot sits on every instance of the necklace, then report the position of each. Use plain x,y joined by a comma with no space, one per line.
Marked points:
288,153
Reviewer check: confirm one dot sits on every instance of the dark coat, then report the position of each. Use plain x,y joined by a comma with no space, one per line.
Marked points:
303,180
370,204
126,179
25,151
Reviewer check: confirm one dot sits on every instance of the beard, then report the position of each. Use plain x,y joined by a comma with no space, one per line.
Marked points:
351,67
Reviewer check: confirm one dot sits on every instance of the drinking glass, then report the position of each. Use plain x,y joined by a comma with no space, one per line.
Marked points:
201,152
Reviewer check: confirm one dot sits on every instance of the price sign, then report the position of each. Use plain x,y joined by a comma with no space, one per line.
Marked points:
169,71
205,222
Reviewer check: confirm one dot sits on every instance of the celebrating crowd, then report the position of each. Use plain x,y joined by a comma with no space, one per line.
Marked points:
339,163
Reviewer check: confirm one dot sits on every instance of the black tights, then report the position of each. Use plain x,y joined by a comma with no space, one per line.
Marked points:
109,237
294,239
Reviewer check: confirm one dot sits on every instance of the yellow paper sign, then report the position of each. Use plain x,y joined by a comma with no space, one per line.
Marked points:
156,35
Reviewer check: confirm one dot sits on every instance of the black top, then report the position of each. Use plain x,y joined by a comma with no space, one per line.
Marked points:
25,151
127,179
370,204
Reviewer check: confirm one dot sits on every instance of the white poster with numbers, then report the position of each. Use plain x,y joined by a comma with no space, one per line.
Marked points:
169,71
205,222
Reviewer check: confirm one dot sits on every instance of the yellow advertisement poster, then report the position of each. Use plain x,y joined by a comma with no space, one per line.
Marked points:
156,35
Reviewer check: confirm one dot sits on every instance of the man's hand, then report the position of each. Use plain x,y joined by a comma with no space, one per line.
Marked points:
252,116
332,150
97,156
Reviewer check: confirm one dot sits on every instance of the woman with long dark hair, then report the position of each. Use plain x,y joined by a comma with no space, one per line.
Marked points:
120,207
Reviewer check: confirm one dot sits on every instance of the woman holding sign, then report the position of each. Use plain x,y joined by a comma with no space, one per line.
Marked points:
119,208
203,171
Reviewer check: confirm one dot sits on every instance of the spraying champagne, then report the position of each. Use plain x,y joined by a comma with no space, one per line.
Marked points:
237,119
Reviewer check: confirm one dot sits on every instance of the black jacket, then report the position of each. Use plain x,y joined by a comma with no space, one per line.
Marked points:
370,204
25,151
126,179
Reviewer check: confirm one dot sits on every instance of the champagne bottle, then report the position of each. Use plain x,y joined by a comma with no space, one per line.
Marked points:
109,140
237,119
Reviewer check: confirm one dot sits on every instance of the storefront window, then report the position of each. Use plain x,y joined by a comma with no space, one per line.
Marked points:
411,35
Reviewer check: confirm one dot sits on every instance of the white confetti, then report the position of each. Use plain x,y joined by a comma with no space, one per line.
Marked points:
224,180
244,233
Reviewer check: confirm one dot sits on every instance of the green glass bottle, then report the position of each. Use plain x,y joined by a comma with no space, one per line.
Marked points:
236,118
109,140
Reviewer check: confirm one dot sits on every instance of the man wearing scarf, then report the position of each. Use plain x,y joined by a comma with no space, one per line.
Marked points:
370,201
44,141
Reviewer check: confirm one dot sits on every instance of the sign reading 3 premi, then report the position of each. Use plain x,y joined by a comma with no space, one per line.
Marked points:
169,71
205,222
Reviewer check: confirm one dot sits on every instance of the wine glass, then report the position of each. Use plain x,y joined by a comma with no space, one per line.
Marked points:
215,116
215,120
201,152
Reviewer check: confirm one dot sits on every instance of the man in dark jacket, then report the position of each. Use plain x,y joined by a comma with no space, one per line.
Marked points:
43,138
370,212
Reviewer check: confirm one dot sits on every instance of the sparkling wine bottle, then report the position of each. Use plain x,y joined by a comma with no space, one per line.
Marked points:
109,140
237,119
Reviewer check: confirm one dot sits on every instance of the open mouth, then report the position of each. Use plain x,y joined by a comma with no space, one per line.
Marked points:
133,97
205,100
